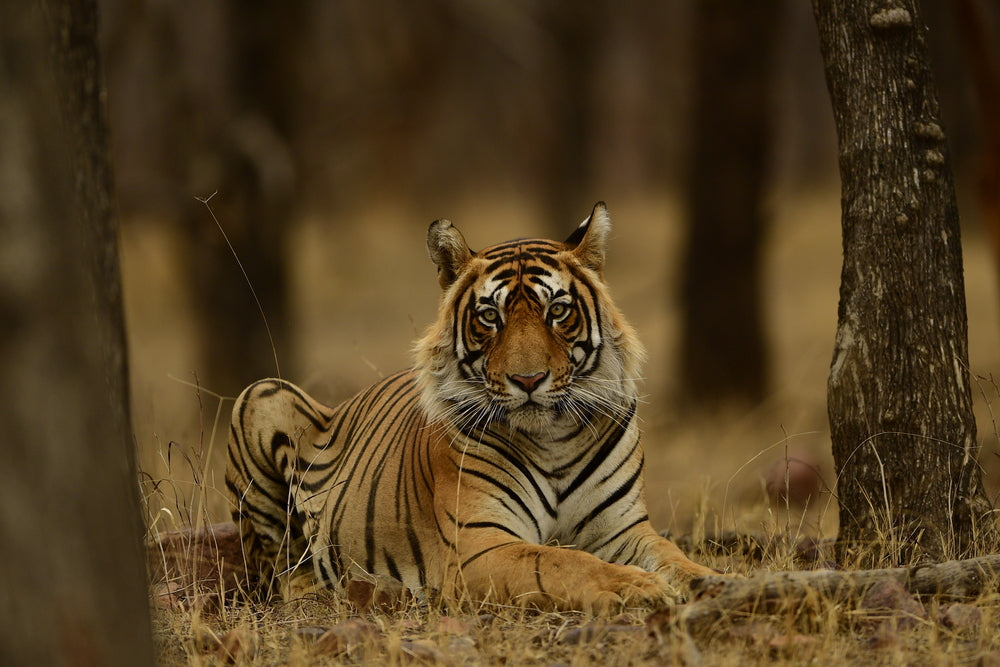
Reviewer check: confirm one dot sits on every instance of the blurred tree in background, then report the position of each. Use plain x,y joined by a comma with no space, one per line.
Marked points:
312,107
723,349
204,101
322,109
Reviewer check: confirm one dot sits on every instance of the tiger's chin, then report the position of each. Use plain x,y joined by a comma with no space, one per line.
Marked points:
539,420
531,418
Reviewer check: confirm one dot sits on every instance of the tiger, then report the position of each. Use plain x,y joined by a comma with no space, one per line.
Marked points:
504,467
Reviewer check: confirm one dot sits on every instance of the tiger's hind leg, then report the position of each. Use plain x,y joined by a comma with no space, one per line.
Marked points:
272,421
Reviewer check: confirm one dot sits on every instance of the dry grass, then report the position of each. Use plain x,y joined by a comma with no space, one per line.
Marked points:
705,474
210,626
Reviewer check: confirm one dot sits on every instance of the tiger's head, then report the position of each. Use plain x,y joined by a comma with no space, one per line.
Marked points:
527,334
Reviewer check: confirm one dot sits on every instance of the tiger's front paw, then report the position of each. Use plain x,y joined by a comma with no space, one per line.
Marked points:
631,587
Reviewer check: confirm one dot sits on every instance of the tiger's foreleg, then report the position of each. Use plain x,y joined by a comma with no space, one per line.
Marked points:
506,570
655,553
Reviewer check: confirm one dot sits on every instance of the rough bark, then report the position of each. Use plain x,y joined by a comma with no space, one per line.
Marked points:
899,396
723,352
73,587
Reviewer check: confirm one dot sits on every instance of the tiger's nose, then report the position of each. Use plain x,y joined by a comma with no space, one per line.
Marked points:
528,382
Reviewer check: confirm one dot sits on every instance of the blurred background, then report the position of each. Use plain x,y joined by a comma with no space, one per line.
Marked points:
316,141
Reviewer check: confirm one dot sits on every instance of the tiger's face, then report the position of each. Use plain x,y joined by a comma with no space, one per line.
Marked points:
527,334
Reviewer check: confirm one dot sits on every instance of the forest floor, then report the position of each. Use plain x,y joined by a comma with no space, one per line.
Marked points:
707,473
196,622
320,631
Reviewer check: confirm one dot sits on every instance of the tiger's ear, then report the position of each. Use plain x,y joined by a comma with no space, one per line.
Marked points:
590,238
448,249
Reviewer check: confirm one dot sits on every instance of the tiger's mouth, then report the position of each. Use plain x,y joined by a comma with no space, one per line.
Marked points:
537,413
538,404
531,406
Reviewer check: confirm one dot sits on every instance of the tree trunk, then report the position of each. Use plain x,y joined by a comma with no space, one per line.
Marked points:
979,39
72,586
723,355
575,31
250,145
900,406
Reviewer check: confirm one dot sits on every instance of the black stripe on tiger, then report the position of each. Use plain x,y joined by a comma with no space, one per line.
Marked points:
611,539
609,500
607,446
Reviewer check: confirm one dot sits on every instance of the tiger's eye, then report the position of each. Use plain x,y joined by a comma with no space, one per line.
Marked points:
489,316
557,310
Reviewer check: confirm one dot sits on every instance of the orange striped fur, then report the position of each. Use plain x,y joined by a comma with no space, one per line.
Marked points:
505,466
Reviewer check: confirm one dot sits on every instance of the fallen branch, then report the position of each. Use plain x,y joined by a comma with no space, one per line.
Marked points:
718,600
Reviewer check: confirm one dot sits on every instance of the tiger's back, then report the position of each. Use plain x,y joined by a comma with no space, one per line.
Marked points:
505,466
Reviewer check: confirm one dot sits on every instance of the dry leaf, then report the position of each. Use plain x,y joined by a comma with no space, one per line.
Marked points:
884,638
991,659
593,632
422,651
168,595
888,600
310,632
237,643
453,626
660,622
754,632
790,643
961,617
344,637
229,647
